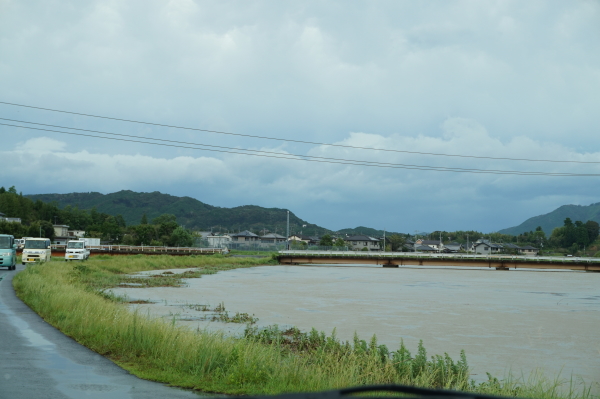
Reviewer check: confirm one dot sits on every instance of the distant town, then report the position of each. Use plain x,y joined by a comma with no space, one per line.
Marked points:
247,240
22,217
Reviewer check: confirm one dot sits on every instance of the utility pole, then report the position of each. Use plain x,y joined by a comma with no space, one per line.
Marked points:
383,240
288,230
468,248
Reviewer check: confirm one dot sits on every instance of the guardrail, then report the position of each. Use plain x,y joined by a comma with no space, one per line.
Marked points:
131,249
441,256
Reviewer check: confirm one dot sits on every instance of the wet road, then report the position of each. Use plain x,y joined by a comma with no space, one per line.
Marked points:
38,361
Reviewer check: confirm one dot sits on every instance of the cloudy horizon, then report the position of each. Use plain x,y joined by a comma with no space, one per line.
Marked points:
492,79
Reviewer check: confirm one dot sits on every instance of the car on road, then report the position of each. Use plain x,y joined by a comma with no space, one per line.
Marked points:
36,250
77,250
8,252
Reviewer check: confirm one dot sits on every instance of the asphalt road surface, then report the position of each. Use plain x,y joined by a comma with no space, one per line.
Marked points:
38,361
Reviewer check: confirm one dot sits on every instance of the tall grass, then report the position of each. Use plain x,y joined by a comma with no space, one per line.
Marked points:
266,361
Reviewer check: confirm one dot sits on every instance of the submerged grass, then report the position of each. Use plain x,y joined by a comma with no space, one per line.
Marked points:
263,361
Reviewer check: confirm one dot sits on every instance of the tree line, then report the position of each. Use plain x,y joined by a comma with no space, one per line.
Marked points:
38,218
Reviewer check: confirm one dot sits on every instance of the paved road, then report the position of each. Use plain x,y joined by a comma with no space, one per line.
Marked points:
38,361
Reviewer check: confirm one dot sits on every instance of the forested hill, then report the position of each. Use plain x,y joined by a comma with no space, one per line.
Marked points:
556,218
190,212
367,231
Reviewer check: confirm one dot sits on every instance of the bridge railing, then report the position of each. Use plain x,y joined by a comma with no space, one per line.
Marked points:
142,248
379,254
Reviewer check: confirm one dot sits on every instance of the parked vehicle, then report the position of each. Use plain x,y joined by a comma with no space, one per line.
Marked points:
77,250
8,252
91,242
36,250
20,242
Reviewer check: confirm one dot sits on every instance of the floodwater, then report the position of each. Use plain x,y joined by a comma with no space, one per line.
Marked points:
513,321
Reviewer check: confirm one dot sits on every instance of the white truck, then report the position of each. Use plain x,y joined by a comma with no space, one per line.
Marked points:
91,242
77,250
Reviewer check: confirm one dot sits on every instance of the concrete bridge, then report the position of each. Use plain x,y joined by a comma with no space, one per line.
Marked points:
398,259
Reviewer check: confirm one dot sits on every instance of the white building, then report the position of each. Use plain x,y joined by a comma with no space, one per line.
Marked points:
218,241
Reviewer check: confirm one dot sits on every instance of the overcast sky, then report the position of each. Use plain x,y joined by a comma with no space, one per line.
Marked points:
503,79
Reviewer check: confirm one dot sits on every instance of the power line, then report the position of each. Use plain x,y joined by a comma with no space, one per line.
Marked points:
248,150
269,154
292,140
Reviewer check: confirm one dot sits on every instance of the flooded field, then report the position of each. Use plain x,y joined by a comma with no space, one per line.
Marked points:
515,321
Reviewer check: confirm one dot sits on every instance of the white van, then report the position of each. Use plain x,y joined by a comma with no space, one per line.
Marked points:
77,250
36,250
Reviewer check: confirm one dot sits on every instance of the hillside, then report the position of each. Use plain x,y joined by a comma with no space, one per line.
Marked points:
556,218
361,230
190,212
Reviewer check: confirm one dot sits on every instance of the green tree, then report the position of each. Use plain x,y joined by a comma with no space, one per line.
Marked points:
111,230
326,241
120,221
181,238
339,242
396,242
297,244
573,249
144,234
17,230
164,218
593,230
144,219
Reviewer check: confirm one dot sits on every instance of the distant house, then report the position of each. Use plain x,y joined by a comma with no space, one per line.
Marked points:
218,241
13,220
61,234
453,247
408,246
435,244
424,248
272,238
511,248
307,239
359,242
529,250
61,230
76,233
485,247
245,236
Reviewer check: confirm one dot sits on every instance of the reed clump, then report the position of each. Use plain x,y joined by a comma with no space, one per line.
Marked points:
263,361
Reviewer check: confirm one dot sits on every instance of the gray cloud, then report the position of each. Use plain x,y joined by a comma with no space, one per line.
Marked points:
503,79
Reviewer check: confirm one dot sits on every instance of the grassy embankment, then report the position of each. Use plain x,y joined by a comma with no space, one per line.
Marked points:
73,297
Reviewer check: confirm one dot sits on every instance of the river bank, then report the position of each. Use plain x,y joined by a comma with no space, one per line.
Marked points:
209,361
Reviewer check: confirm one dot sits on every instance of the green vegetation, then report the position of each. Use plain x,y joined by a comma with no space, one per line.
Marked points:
75,299
554,219
37,219
574,236
102,272
188,211
326,241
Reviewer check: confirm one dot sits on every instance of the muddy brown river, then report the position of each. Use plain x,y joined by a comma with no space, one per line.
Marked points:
507,321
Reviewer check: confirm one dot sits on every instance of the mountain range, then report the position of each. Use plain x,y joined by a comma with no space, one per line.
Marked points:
190,212
556,218
197,215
